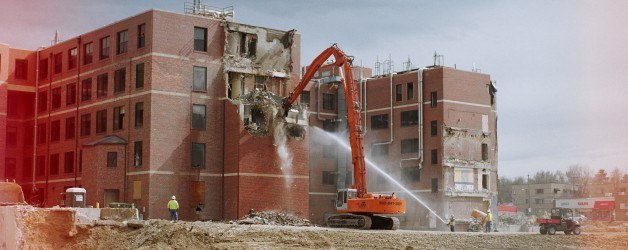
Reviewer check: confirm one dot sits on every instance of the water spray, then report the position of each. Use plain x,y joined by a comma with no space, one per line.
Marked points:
344,144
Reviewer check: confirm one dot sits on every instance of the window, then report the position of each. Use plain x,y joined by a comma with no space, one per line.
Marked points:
21,69
104,48
86,124
329,151
122,42
55,131
137,154
434,185
305,97
200,79
56,98
58,63
29,135
112,159
260,82
70,127
411,174
434,153
72,58
328,101
11,136
119,80
54,164
118,118
329,125
43,101
41,133
379,150
198,116
538,201
88,53
86,89
43,68
379,121
329,178
40,170
139,76
9,171
139,114
27,171
248,44
200,39
68,163
539,191
410,146
399,92
101,85
101,121
141,36
433,99
70,94
409,118
434,128
463,180
198,155
410,91
484,151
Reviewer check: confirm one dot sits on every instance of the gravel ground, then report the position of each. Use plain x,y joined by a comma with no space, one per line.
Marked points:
160,234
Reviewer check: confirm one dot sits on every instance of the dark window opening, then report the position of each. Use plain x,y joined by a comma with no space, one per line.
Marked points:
409,118
43,69
434,154
88,53
9,171
102,85
118,118
56,98
70,94
329,178
137,154
410,174
54,164
55,131
40,169
139,76
141,35
112,159
329,101
410,146
104,48
68,163
11,136
198,117
305,97
329,125
72,58
41,133
484,181
410,91
21,69
70,127
198,155
86,89
434,128
43,101
139,114
101,121
433,99
248,44
200,39
434,185
119,80
122,42
58,63
399,92
484,151
379,121
86,124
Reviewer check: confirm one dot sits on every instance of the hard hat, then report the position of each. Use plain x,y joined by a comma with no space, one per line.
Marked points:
173,197
488,211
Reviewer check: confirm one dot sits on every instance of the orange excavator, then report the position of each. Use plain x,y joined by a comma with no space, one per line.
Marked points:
356,207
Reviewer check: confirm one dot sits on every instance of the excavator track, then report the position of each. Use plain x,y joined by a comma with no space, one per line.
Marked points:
357,221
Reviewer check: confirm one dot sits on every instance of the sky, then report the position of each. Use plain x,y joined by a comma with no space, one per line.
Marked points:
561,67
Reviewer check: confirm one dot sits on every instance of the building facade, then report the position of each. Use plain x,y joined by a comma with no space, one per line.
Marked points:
149,107
539,198
432,129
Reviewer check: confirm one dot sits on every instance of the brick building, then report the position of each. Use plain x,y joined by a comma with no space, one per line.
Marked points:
539,198
146,108
433,129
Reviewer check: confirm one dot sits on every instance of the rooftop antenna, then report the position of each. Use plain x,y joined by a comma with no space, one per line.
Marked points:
198,8
407,65
56,40
439,60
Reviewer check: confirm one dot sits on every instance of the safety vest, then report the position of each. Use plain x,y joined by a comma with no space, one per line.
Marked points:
489,217
173,205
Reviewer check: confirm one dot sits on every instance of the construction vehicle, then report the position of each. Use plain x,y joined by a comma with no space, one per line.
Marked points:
11,194
356,207
561,220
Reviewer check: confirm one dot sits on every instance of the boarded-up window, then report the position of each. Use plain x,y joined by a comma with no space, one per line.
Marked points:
463,179
197,192
485,123
484,151
137,190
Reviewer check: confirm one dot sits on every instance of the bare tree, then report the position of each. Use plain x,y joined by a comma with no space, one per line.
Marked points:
616,175
601,177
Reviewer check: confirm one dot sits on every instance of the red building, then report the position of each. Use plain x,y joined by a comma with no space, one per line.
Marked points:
146,108
433,129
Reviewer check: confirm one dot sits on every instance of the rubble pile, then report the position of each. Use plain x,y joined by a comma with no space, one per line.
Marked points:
261,107
274,218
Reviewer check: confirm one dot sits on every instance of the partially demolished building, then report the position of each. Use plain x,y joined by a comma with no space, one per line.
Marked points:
433,129
152,106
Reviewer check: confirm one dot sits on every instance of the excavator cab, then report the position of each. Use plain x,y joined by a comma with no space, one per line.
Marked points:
343,196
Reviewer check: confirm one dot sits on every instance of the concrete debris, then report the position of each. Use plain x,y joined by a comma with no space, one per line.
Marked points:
260,109
274,218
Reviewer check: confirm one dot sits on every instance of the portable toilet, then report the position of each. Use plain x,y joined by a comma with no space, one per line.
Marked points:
75,197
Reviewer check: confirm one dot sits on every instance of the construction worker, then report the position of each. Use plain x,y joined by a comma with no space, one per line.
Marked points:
489,220
452,223
173,207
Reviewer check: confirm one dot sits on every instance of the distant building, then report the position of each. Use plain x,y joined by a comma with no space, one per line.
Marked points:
432,129
539,198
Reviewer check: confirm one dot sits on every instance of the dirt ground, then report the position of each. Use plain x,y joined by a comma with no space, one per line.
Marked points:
160,234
